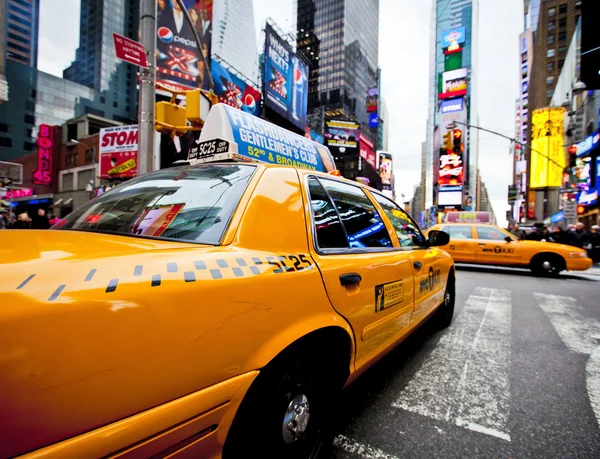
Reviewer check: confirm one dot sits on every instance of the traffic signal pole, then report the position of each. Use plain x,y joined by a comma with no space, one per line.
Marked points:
147,94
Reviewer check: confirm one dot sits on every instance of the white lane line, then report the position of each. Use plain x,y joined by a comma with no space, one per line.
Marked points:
465,380
576,331
580,334
360,449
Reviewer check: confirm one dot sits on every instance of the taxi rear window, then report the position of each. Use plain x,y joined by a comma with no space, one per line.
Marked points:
189,203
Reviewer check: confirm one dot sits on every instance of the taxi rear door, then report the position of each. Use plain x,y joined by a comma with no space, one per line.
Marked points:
368,280
493,249
463,246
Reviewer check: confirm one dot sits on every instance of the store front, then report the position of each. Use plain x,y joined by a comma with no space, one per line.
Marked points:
31,204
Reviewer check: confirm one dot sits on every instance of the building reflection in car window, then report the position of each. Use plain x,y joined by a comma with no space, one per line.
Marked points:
459,231
407,230
489,233
364,226
189,203
329,231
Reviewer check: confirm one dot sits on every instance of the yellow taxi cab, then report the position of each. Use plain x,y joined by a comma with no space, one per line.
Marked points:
487,244
207,310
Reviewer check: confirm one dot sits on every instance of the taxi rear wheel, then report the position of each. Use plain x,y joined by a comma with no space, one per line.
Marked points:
286,412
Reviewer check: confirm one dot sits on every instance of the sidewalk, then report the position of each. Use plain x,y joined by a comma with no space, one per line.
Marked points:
593,271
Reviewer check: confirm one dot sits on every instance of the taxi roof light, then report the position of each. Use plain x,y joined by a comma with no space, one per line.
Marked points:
335,173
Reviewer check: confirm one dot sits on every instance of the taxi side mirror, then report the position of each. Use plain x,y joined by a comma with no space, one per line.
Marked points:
438,238
508,239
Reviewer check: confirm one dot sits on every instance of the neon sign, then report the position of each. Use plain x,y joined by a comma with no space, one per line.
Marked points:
45,142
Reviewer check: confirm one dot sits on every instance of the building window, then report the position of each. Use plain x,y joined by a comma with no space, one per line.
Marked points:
116,104
562,36
29,119
102,99
578,5
71,159
562,22
550,80
5,142
3,127
562,9
550,66
551,25
549,93
560,64
562,50
551,12
551,39
28,146
551,52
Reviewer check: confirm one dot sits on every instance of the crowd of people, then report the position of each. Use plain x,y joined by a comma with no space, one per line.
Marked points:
24,221
576,235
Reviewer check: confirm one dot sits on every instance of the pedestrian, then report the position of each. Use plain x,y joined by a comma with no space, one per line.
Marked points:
545,235
559,235
594,244
580,237
516,231
3,220
534,235
23,222
52,220
40,221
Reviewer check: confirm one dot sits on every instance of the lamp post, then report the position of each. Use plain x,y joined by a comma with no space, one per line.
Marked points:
93,181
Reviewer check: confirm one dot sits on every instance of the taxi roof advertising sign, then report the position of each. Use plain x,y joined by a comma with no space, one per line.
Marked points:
547,150
454,36
285,80
229,133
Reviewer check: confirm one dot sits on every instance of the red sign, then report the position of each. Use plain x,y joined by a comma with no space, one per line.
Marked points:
130,51
45,142
119,151
367,152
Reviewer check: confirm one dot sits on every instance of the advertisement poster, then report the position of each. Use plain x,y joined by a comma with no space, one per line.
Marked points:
386,169
264,141
155,220
286,80
367,151
451,171
372,100
233,91
178,62
547,150
454,83
453,37
118,151
342,134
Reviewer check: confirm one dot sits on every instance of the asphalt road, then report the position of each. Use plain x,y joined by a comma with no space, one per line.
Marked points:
516,375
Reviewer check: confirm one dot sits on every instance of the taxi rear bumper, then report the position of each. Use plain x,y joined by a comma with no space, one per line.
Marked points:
195,425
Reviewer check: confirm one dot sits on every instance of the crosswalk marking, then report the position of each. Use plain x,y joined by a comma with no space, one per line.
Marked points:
580,334
465,380
360,449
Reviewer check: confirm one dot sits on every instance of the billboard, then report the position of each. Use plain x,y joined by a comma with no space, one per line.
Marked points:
118,151
285,80
547,151
451,170
372,100
233,91
453,37
342,134
178,62
386,171
367,151
454,84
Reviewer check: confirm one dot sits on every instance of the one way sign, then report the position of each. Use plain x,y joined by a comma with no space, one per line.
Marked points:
130,51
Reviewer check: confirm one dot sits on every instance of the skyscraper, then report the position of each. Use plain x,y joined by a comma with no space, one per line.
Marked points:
451,176
96,65
22,25
234,36
341,40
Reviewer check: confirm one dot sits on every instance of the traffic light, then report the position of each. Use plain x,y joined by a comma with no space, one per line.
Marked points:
457,141
448,141
572,156
581,208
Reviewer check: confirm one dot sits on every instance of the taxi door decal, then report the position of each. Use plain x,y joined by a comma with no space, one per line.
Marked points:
388,295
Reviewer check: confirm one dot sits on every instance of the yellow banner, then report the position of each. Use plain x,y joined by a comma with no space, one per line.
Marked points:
124,167
547,151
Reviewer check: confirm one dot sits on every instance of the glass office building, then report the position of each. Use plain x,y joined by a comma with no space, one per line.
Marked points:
22,25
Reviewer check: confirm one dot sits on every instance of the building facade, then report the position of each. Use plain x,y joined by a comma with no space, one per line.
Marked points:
22,28
234,37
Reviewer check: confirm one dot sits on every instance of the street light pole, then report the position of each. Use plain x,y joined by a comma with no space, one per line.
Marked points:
147,95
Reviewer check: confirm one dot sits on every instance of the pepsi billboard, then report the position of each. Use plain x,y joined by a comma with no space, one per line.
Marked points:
285,80
233,91
179,65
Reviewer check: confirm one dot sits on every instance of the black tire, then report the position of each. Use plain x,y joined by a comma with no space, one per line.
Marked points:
547,265
258,428
445,312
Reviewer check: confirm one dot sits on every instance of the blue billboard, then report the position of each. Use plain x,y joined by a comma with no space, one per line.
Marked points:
454,36
233,91
285,80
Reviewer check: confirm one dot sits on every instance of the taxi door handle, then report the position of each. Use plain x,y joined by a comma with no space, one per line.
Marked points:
350,278
418,265
481,243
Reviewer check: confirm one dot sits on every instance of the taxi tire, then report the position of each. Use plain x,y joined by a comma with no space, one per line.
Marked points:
445,313
257,427
556,262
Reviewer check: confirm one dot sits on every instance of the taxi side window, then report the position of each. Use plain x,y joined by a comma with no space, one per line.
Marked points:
329,231
459,231
489,233
363,224
407,230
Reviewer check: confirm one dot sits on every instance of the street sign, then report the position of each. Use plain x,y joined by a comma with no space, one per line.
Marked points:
130,51
570,210
12,171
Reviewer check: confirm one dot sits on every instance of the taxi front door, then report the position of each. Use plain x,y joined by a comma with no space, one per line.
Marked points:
493,249
462,245
368,281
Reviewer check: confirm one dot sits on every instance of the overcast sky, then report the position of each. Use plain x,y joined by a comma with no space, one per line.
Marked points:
404,60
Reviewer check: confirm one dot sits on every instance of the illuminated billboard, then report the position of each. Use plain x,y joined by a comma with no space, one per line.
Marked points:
367,151
525,45
342,134
386,171
453,37
372,100
45,142
454,84
233,91
178,62
452,164
547,151
285,80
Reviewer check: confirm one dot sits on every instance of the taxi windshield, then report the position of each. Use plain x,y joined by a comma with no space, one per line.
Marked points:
189,203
